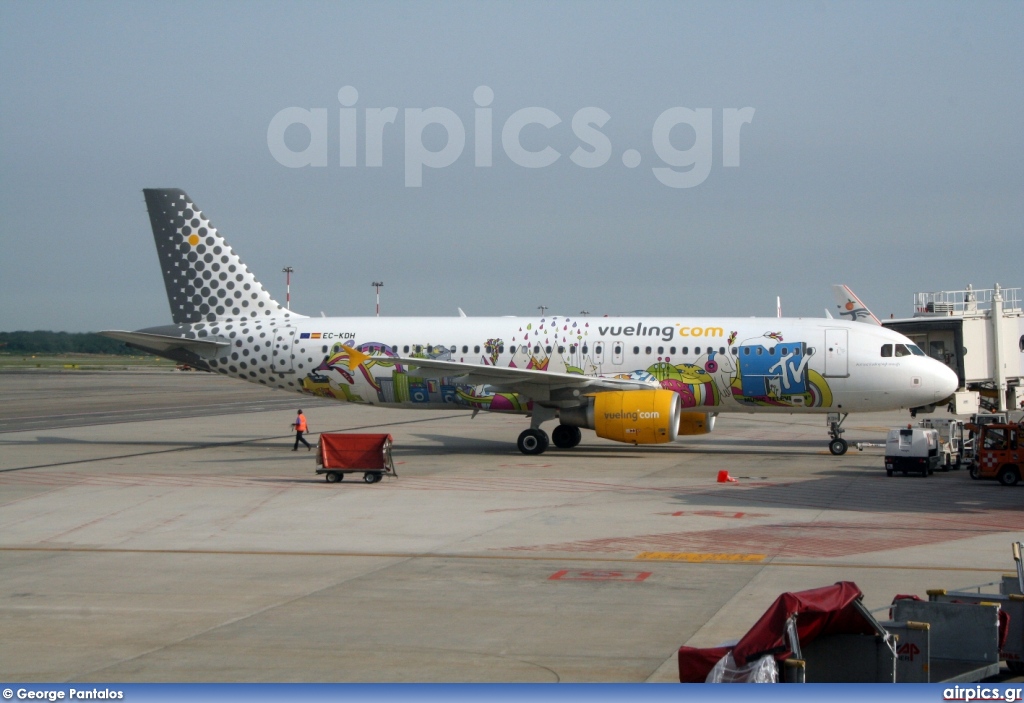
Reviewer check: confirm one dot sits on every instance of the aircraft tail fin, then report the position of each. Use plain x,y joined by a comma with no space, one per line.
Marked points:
205,279
850,305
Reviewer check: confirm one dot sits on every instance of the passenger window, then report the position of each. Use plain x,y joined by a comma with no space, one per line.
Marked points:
584,348
419,348
686,350
886,350
597,349
501,348
661,350
636,350
536,349
405,349
476,349
561,349
696,351
735,351
647,350
672,350
746,351
760,351
721,350
452,349
465,349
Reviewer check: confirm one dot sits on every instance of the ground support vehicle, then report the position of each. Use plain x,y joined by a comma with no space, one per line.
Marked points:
369,454
913,449
951,441
999,453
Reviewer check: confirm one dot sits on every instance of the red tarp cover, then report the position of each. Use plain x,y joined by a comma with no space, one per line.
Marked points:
820,611
353,451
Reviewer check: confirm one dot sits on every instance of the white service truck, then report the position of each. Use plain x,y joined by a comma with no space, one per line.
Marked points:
913,449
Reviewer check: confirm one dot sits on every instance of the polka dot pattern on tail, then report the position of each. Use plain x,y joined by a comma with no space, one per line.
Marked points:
196,261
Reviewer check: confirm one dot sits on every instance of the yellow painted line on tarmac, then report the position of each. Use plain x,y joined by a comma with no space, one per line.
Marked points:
700,557
491,557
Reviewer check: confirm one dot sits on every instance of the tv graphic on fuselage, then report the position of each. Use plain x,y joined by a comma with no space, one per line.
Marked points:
639,380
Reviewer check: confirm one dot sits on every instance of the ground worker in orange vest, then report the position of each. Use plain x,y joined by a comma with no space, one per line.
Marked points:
300,427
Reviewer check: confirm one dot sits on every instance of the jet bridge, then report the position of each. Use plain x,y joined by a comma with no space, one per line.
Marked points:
979,334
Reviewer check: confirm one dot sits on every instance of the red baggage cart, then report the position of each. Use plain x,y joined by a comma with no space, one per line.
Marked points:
370,454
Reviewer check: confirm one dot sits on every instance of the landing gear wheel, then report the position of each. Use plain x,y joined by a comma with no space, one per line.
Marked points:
566,436
333,477
1009,476
838,446
532,441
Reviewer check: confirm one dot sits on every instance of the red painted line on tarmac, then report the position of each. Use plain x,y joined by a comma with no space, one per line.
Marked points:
600,575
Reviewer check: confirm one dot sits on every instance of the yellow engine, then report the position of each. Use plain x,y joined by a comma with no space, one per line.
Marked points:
636,417
696,423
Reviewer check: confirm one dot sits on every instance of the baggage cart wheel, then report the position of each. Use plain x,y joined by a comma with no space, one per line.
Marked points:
332,477
377,476
368,477
838,446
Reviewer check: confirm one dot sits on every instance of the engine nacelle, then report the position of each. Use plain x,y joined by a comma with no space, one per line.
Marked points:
636,417
696,423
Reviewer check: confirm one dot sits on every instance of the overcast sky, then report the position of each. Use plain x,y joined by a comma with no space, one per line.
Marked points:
885,151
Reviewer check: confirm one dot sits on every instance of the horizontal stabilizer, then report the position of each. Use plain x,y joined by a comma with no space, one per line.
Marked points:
160,343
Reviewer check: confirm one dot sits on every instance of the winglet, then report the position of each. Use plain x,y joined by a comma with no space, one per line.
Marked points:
851,306
355,357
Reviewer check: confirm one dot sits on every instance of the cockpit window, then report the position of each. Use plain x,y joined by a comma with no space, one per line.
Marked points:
886,350
915,350
901,350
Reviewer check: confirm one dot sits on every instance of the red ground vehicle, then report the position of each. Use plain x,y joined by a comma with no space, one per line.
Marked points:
1000,453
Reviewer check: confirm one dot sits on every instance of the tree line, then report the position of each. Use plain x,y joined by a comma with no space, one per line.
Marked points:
41,342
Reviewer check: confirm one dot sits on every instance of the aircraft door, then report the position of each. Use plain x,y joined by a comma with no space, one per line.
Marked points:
837,356
282,360
617,351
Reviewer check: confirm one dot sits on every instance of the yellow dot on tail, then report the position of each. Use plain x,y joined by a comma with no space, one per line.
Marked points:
193,239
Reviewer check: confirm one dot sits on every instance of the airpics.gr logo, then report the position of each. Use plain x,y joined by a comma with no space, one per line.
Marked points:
679,168
635,416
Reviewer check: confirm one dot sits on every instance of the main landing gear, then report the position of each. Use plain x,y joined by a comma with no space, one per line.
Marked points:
837,445
535,440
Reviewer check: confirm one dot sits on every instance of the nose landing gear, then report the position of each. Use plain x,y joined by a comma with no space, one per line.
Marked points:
837,445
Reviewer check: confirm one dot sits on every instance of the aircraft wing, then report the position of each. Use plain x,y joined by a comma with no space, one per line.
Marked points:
850,306
511,378
208,346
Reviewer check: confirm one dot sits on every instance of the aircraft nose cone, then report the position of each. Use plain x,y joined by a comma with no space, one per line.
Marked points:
945,381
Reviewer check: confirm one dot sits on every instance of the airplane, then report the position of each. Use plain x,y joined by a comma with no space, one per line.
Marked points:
636,380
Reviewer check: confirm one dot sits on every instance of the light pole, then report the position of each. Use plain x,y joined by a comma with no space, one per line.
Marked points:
584,312
378,285
288,270
542,308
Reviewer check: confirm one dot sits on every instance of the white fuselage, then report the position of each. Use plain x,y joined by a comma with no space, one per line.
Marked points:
715,364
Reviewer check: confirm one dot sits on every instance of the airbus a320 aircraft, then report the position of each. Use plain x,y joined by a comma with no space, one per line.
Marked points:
638,380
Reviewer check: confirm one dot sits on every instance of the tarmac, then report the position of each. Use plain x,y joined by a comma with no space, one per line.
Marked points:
157,526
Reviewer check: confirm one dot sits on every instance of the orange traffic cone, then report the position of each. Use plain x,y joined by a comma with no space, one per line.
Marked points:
724,477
